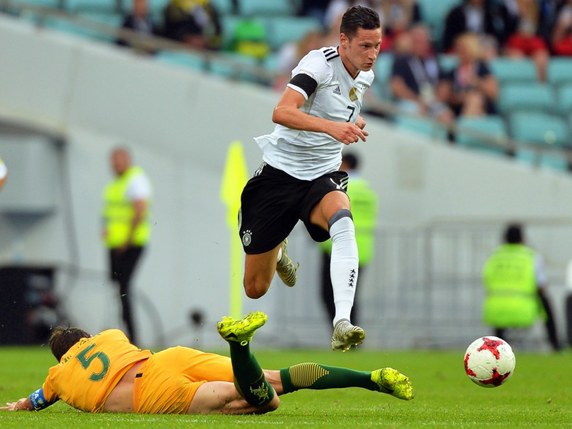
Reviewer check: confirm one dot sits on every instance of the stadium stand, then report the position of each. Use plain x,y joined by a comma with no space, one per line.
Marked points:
520,90
491,137
509,70
559,71
526,97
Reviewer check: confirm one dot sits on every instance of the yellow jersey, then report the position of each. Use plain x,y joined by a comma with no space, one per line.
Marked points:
91,369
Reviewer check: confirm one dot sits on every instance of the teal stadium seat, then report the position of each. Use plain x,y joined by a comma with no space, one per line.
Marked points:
539,128
266,8
81,30
559,71
509,70
233,66
92,5
155,8
434,13
482,132
447,62
549,160
286,29
382,70
45,3
229,23
421,125
224,7
526,97
564,96
545,131
183,59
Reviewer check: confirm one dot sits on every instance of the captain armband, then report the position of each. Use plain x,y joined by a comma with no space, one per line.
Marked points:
305,83
38,400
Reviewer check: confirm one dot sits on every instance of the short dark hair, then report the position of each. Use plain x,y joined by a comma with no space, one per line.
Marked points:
513,234
359,17
62,339
351,160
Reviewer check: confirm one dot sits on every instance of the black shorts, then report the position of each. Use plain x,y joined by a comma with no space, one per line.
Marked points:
273,202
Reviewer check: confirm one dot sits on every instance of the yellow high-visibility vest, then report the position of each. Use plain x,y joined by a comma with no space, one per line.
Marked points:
511,291
118,213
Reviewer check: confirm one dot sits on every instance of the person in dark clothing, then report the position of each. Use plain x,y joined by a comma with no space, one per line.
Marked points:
482,17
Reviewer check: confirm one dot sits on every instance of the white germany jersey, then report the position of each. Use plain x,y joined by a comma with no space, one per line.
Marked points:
338,97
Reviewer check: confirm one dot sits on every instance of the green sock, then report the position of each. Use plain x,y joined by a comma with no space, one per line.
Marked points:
248,376
316,376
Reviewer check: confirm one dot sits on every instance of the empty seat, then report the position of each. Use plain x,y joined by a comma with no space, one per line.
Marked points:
185,59
286,29
234,66
421,125
77,28
509,70
266,7
92,5
448,62
529,97
487,133
545,159
564,96
382,70
224,7
559,71
434,13
539,128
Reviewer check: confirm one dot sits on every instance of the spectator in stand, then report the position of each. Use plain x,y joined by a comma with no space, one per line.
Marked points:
547,14
562,34
140,21
525,42
249,38
483,17
471,88
194,22
397,16
416,79
315,9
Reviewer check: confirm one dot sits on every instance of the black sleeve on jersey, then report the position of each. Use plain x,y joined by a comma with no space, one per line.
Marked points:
305,83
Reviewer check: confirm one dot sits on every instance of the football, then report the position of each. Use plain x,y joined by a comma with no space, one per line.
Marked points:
489,361
3,173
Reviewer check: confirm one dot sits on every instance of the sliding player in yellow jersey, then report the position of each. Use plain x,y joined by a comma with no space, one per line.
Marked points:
106,373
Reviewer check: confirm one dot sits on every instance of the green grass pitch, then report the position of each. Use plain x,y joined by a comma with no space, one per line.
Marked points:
539,395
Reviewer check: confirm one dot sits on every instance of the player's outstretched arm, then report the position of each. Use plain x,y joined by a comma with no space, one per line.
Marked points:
35,402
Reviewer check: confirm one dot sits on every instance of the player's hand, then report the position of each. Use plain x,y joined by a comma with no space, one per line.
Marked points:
347,133
360,122
12,406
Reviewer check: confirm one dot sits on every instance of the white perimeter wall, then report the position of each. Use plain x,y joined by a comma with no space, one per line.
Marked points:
179,124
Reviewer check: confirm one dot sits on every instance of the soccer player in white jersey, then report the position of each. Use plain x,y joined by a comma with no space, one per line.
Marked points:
318,113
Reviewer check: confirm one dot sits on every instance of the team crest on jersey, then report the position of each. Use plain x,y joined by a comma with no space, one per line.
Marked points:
353,94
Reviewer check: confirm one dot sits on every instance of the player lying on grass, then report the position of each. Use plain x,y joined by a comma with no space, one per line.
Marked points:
106,373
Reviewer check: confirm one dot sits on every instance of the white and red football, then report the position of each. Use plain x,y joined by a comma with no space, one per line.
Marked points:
489,361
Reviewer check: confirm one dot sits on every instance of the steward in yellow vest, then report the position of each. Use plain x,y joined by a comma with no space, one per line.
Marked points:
125,223
514,281
511,291
126,227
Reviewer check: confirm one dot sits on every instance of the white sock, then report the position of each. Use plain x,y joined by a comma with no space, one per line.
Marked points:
343,266
279,255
